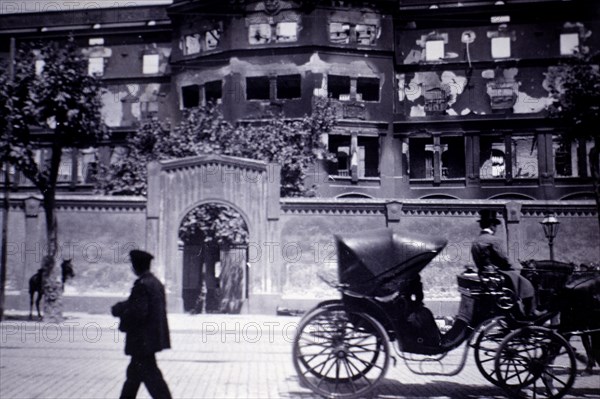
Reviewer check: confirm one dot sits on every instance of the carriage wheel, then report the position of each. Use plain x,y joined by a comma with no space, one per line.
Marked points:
535,362
340,353
486,345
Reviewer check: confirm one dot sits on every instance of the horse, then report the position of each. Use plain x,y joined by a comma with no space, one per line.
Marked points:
36,285
570,290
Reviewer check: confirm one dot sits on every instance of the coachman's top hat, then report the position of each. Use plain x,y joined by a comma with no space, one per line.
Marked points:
488,216
141,258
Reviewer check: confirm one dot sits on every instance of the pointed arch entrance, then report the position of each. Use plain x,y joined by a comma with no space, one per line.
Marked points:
177,187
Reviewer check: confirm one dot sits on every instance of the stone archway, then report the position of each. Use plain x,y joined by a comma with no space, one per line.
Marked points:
176,187
215,242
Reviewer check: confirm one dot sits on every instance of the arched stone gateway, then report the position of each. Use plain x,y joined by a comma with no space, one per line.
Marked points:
177,187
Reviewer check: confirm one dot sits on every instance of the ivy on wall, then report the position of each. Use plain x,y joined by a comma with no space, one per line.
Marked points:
294,144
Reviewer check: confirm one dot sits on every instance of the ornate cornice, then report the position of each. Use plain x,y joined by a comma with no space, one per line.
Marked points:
332,206
212,159
434,208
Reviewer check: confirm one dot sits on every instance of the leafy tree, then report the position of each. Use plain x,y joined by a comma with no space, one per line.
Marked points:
216,223
61,105
575,87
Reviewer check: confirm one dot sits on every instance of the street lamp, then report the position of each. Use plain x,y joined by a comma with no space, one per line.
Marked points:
550,225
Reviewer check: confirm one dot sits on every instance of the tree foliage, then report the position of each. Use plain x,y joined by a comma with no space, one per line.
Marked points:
216,223
575,87
59,104
294,144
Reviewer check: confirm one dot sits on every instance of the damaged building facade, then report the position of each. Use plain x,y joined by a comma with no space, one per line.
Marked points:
441,109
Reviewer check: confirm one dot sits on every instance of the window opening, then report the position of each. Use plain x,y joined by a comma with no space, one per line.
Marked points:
339,33
501,47
366,34
434,50
289,86
338,87
367,89
452,157
569,43
258,88
190,96
420,151
525,156
213,92
212,39
95,66
259,33
150,64
492,158
191,44
286,32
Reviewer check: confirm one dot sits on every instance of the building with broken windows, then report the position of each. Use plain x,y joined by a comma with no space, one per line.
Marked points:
441,109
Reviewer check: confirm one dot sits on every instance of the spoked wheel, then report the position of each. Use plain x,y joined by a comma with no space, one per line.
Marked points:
535,362
340,353
486,345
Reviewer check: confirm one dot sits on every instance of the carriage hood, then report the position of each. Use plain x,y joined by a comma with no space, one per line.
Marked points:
371,258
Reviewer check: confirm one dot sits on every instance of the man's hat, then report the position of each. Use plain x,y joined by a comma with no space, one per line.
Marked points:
489,216
140,257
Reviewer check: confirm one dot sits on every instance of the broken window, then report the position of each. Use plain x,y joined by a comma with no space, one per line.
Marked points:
286,32
345,33
439,158
367,89
95,66
525,156
259,33
366,34
191,44
338,87
339,33
190,96
493,162
213,92
87,165
501,47
340,146
258,88
150,64
434,50
289,86
356,156
569,43
368,156
65,169
420,155
452,157
565,157
211,39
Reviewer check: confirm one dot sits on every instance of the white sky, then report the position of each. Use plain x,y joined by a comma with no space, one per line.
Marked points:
21,6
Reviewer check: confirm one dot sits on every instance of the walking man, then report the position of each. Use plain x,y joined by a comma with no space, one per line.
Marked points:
144,319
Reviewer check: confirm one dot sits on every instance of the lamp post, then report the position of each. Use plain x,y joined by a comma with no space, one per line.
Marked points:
550,225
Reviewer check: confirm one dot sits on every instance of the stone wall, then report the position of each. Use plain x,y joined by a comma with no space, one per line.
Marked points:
98,232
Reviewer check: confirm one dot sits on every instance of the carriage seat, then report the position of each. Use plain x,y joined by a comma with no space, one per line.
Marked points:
472,283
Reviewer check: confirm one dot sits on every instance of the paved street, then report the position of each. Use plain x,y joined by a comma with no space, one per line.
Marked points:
213,356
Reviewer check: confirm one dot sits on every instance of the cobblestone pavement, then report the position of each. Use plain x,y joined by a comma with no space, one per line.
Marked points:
213,356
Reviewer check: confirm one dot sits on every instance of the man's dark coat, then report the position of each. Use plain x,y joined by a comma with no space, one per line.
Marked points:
489,255
144,317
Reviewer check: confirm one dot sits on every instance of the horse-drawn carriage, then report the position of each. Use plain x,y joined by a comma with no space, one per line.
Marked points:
343,347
